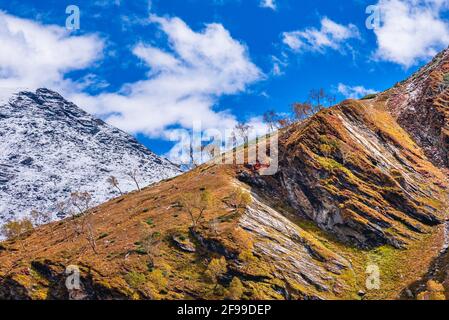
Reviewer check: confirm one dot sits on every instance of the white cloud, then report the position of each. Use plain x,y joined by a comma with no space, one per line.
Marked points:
271,4
278,65
33,55
411,30
354,92
331,35
183,83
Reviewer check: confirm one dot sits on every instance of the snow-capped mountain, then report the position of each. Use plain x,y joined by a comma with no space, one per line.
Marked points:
50,148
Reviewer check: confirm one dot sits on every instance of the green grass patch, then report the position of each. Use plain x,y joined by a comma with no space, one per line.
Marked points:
103,235
135,279
446,77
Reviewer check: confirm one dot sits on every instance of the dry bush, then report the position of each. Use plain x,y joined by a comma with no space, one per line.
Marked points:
15,229
236,289
247,258
91,235
239,199
149,245
134,174
216,269
114,183
81,201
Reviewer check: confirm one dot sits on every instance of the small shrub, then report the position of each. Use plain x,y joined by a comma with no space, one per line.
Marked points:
156,235
216,269
158,279
326,150
196,205
248,259
142,251
239,199
15,229
135,279
103,235
236,289
243,239
149,222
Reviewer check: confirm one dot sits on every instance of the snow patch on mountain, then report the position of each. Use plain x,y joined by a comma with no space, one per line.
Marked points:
50,148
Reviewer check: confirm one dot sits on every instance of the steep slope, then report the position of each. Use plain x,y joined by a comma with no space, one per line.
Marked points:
50,148
357,174
421,105
356,187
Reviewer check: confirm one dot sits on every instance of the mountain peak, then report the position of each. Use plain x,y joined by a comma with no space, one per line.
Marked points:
51,148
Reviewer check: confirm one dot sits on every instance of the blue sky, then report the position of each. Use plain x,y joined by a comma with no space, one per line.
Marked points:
130,57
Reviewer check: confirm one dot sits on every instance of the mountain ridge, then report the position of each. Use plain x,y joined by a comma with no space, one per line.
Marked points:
360,186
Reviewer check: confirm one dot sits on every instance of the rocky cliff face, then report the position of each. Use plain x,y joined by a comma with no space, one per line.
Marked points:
358,175
50,148
421,105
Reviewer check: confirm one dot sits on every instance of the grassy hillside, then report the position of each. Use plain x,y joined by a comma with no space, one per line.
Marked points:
353,189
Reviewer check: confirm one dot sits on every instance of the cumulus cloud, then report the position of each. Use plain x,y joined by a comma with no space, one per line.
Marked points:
34,55
411,30
354,92
183,83
331,35
271,4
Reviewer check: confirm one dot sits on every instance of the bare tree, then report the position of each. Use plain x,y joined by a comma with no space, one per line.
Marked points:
317,97
271,120
196,205
284,122
331,99
150,245
114,183
133,174
81,201
317,100
91,235
302,110
243,131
